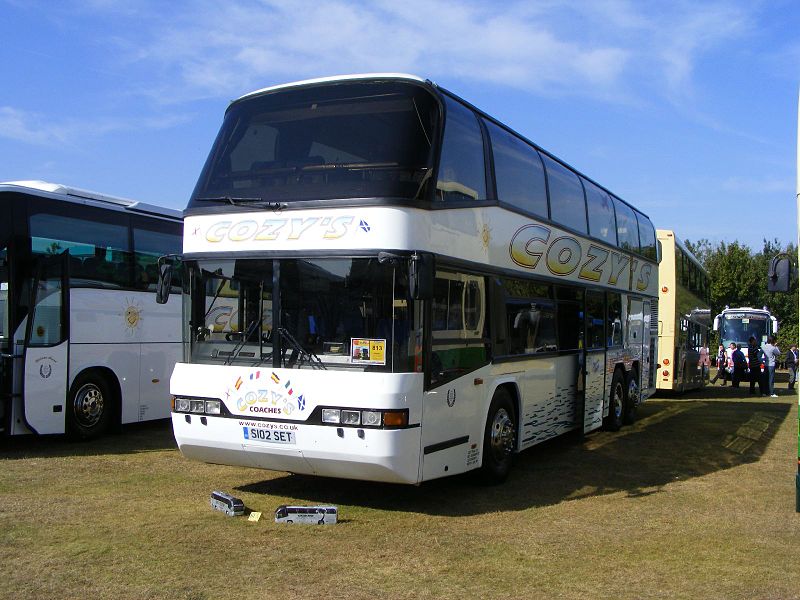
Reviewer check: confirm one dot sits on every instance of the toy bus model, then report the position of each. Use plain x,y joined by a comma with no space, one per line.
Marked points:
310,515
226,503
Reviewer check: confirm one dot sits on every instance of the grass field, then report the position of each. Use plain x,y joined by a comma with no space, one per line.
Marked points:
696,500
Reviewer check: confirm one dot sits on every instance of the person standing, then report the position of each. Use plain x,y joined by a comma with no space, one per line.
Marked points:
739,364
791,364
722,364
704,363
754,360
771,352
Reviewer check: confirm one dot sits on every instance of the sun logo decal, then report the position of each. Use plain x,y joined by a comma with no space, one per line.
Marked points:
132,316
486,236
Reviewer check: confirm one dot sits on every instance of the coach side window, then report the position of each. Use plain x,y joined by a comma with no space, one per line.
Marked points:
685,267
595,320
567,203
627,228
530,320
462,171
570,318
600,206
148,245
459,343
99,251
47,327
518,171
647,236
614,319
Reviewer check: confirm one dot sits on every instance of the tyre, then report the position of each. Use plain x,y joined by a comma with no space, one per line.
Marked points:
632,396
90,406
616,407
499,439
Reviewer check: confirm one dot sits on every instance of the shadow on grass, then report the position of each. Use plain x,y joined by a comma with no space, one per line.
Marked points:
134,437
671,440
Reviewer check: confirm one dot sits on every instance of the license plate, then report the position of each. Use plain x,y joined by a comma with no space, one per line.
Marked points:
270,436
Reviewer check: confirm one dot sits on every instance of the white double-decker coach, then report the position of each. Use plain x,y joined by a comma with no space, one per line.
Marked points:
384,283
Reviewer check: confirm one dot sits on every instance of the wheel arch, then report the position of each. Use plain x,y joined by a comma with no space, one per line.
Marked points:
610,421
113,383
513,391
618,366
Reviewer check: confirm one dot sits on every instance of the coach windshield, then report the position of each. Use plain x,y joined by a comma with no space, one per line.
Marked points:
332,313
738,327
351,140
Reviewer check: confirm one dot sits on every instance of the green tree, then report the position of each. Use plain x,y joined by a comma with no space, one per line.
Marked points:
739,278
782,305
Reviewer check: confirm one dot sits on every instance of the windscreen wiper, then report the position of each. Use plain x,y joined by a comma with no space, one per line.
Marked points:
299,352
240,344
260,202
216,295
229,200
363,166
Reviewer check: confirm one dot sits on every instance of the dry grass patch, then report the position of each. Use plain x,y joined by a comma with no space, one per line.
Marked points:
694,500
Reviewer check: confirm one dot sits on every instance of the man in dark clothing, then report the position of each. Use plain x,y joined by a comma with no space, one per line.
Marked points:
754,360
739,364
722,365
791,364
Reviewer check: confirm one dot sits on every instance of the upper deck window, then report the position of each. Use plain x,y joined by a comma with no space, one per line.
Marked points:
647,236
335,141
602,224
627,228
462,173
567,204
519,172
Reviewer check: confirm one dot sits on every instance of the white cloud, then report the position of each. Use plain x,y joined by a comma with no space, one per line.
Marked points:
24,127
759,186
696,29
33,128
620,51
239,46
616,50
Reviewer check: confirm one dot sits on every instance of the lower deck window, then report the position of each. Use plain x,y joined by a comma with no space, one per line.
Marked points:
459,323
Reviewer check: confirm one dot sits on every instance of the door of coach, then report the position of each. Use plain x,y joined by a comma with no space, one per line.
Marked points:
6,322
47,347
594,360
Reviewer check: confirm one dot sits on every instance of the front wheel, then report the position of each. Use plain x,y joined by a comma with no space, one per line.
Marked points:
499,439
89,410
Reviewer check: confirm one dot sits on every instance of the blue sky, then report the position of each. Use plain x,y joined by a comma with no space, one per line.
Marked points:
687,109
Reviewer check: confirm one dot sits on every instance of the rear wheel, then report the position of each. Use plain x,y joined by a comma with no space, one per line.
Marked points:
499,439
632,396
90,405
616,407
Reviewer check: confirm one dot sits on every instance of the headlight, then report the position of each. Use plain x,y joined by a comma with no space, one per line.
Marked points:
371,418
197,406
331,415
351,417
